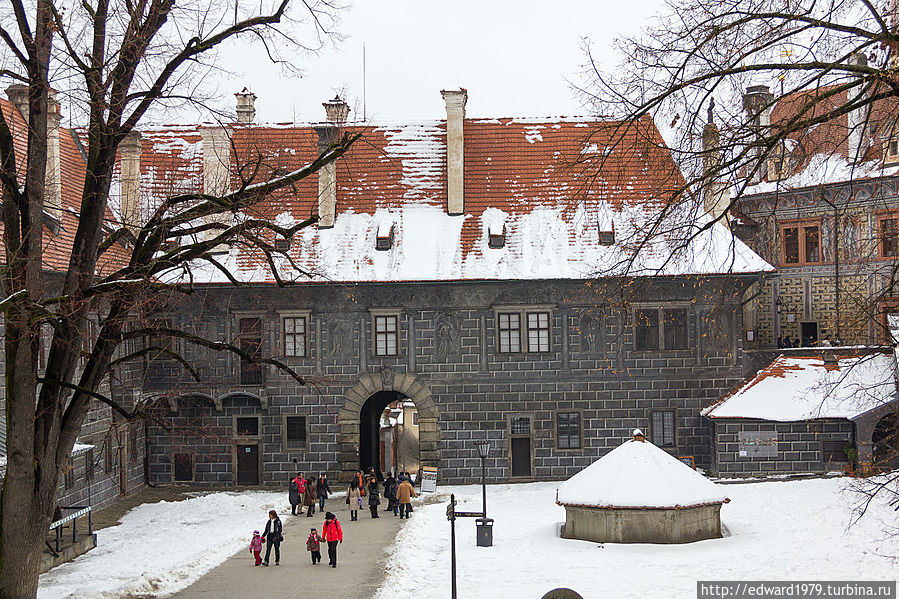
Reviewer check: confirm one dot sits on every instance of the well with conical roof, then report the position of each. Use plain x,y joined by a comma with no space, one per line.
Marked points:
638,493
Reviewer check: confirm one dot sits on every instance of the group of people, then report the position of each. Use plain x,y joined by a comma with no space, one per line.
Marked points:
305,492
273,535
366,489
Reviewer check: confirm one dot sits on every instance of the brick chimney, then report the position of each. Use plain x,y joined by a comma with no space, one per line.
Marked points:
758,102
336,112
18,95
246,106
129,165
455,149
857,118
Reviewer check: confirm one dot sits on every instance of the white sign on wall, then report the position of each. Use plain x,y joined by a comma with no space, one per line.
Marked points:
428,479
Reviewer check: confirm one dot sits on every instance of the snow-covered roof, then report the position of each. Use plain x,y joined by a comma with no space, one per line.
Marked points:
637,474
796,388
527,179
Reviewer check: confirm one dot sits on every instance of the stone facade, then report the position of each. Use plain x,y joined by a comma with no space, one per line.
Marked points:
845,294
799,449
449,366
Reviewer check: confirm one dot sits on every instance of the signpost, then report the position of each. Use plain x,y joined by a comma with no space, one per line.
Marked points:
451,515
428,479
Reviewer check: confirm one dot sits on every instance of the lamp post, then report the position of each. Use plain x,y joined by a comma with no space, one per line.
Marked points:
484,524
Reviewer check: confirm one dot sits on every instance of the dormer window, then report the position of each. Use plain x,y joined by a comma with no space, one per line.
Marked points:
605,226
607,237
282,245
892,149
496,235
384,240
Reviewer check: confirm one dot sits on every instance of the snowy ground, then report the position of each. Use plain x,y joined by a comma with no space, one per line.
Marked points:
161,548
785,530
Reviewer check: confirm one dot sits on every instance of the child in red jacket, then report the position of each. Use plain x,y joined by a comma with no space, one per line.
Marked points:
333,534
313,546
256,547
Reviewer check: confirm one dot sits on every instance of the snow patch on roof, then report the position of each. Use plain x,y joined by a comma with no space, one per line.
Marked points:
639,474
826,168
421,150
796,388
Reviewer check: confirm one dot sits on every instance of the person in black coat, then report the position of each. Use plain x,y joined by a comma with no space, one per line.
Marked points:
323,491
390,493
373,500
273,537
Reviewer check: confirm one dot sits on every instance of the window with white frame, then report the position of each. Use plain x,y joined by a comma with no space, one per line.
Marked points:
295,335
523,331
386,334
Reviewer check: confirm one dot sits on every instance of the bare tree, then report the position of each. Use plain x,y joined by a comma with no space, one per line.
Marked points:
705,72
114,60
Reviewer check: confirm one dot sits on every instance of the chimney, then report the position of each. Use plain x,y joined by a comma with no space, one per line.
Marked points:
18,95
246,106
455,150
53,175
716,195
336,112
216,171
129,165
758,102
638,435
858,117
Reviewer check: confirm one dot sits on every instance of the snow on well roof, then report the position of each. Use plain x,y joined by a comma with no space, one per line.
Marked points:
528,176
637,474
795,388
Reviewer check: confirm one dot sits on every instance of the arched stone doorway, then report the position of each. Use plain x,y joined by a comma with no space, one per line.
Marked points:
349,417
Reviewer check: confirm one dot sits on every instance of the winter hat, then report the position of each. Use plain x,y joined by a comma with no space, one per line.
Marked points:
312,529
329,516
255,532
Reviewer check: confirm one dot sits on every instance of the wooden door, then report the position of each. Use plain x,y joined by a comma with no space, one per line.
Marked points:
521,456
247,464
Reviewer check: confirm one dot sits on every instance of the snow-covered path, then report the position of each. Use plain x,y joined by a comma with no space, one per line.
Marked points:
163,547
787,530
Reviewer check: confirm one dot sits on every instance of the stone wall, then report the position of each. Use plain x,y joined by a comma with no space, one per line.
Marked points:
799,446
448,347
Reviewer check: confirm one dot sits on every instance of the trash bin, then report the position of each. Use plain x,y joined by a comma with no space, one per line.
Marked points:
484,528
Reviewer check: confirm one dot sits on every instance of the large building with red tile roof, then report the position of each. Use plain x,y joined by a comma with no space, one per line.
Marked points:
481,268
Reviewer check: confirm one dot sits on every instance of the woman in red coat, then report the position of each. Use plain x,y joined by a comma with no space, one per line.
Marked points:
333,534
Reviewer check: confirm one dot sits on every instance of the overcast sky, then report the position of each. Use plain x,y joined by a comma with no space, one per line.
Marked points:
514,57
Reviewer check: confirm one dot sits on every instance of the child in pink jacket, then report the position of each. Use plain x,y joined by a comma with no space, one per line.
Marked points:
256,547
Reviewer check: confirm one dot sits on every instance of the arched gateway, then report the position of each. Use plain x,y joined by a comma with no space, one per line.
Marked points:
348,419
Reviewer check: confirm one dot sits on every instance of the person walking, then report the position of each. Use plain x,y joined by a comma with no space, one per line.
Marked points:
273,537
390,485
354,499
333,534
297,489
404,494
373,500
322,490
313,546
256,547
309,498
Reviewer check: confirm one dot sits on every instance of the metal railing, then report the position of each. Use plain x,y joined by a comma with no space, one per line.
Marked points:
58,526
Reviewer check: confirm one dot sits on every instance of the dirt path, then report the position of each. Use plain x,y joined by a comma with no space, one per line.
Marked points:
360,562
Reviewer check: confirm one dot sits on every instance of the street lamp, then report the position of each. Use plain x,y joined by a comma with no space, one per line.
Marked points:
484,524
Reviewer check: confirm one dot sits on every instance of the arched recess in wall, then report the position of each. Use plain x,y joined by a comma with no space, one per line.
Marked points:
355,398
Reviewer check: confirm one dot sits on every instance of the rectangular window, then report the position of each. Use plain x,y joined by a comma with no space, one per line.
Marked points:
889,237
246,426
251,343
295,336
386,335
183,467
646,329
69,474
538,332
509,332
89,464
812,244
662,428
295,432
675,327
834,451
791,245
520,425
568,430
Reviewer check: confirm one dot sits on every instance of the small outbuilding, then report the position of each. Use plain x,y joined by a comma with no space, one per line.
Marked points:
638,493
